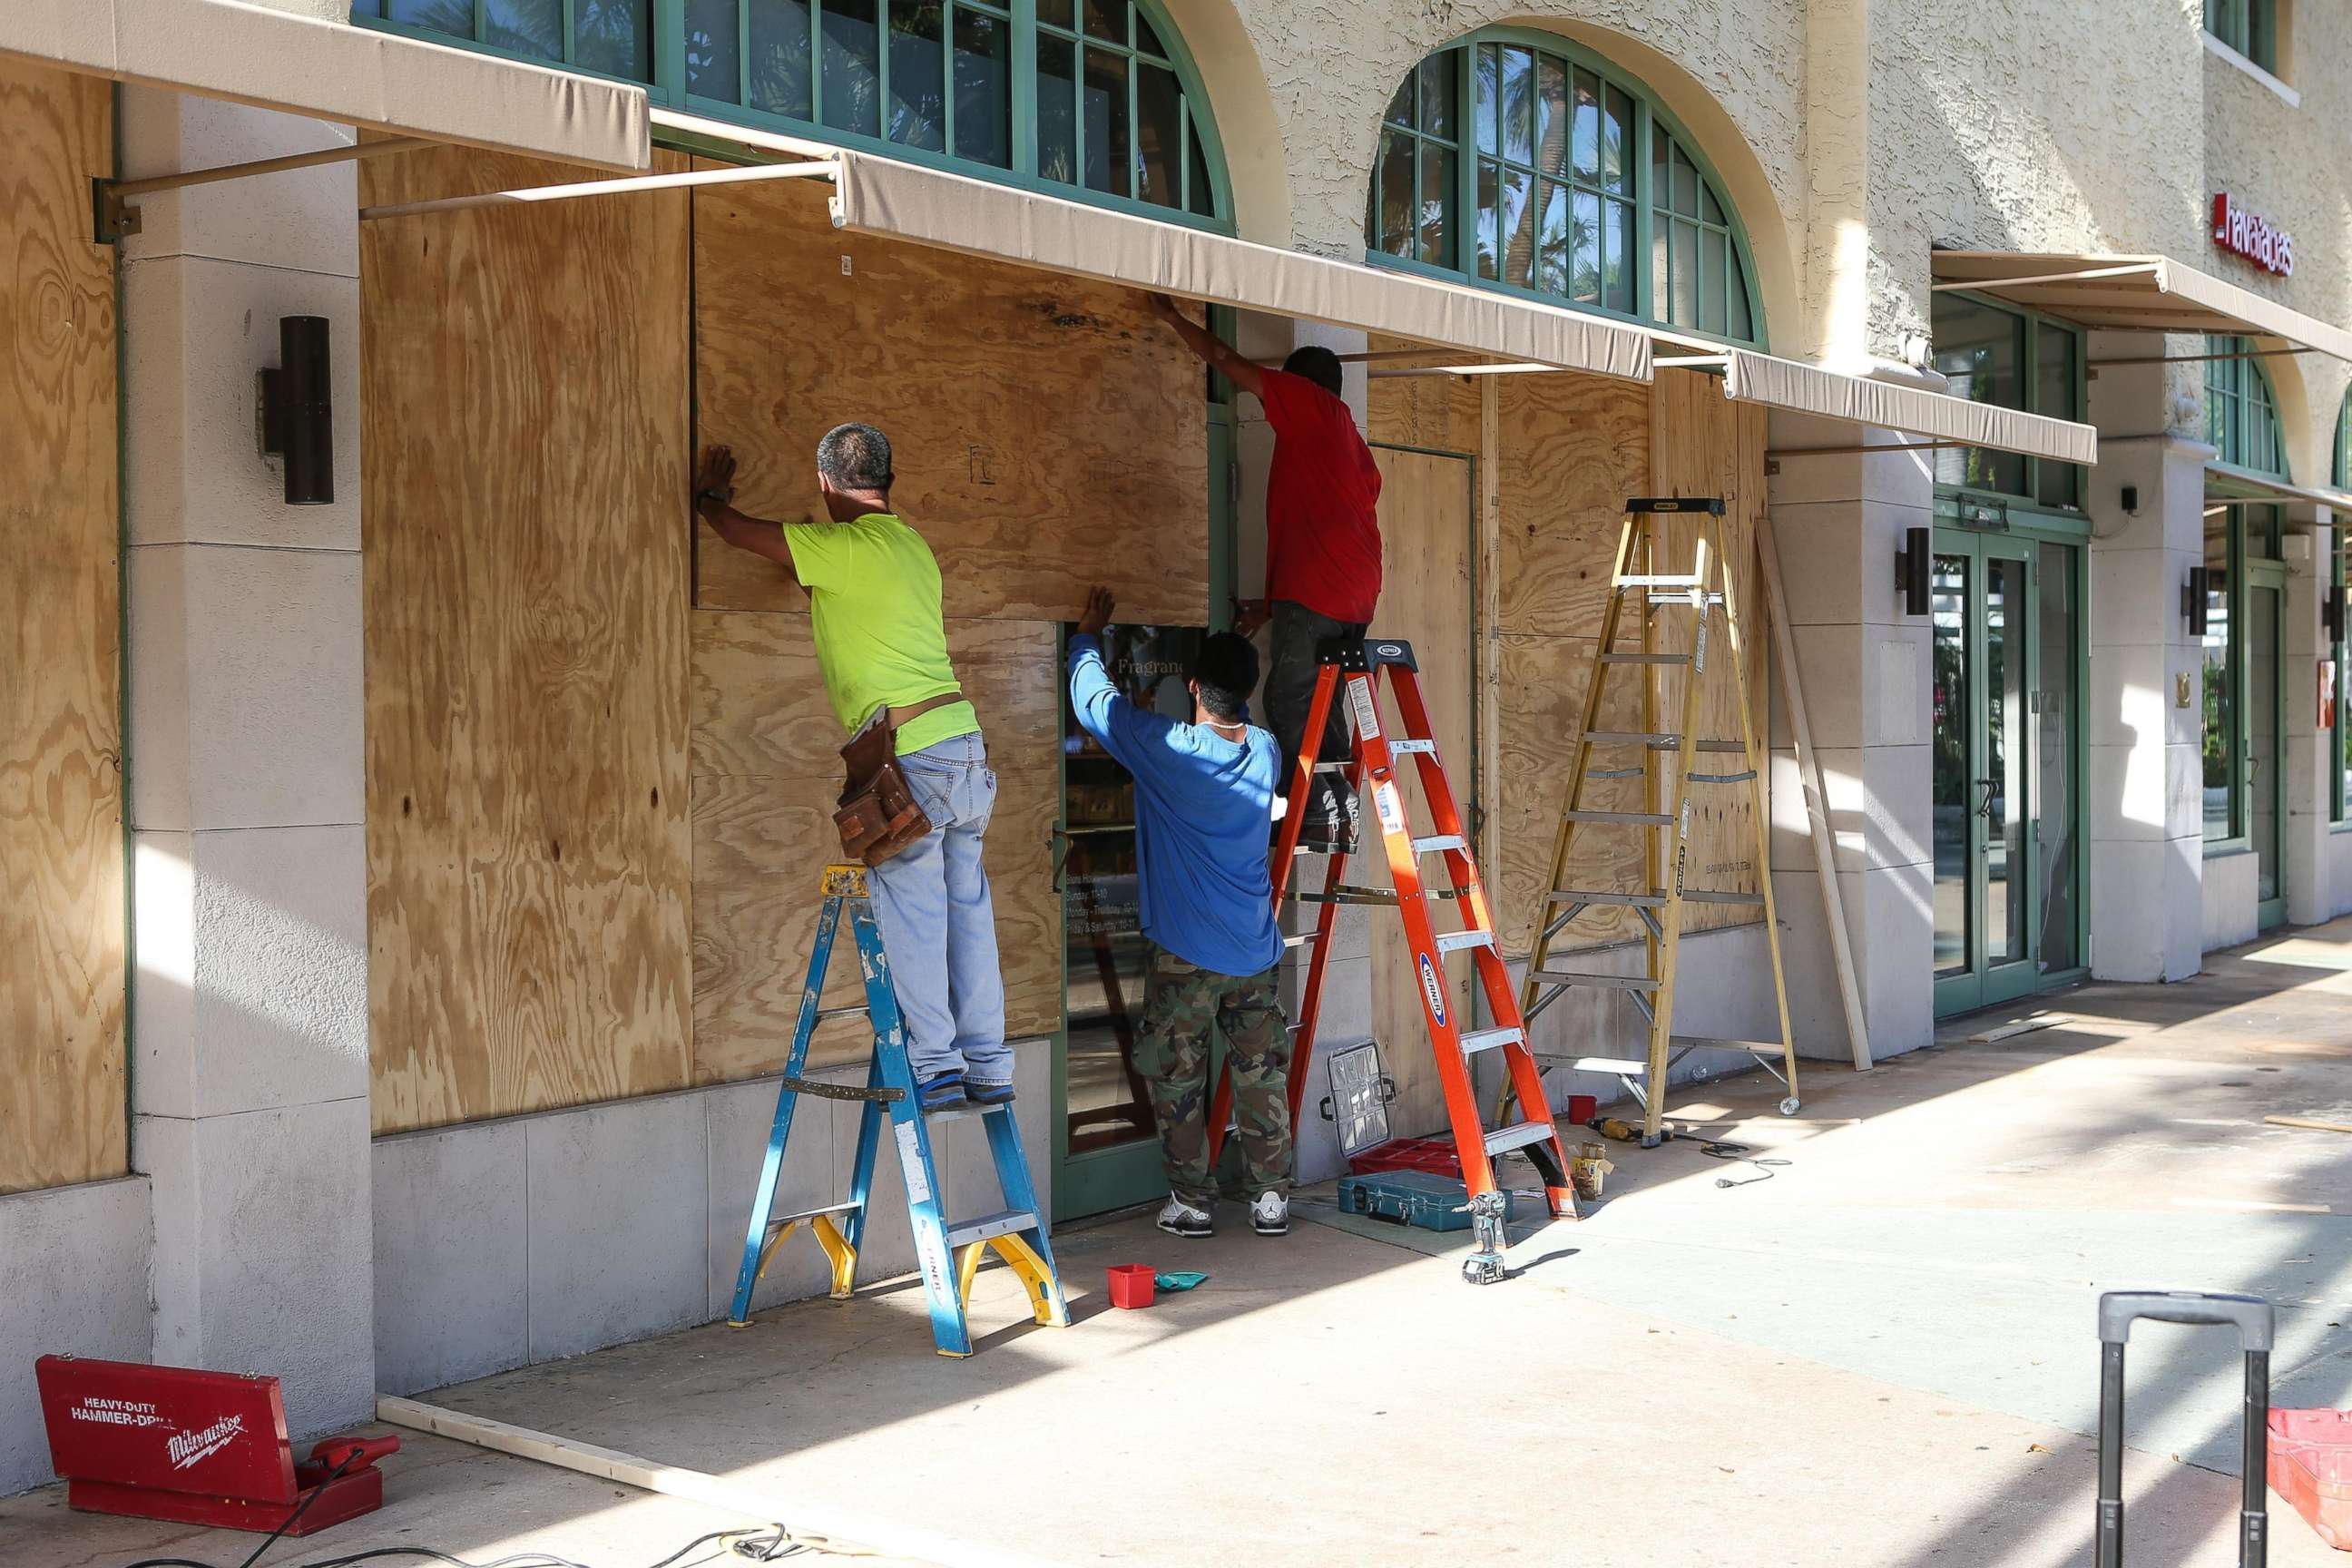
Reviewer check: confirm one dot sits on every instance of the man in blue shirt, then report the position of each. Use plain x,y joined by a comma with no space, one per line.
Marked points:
1203,797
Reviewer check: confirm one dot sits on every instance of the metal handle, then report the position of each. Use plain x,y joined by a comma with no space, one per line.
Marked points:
2255,1323
1984,806
2251,1314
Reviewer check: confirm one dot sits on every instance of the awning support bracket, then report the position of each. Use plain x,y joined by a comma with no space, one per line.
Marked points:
114,216
825,169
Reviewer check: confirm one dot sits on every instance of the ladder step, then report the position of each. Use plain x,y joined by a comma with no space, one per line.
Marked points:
1612,772
1655,742
1753,1048
1719,778
1301,940
856,1011
1627,900
1712,896
1347,895
1487,1039
1333,767
1684,598
1669,580
1518,1135
1004,1223
1455,941
1624,1067
1642,818
778,1222
1406,747
1645,658
1608,982
1437,841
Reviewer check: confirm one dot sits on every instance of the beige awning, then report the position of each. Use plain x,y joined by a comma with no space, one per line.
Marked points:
2227,484
334,71
883,196
2134,293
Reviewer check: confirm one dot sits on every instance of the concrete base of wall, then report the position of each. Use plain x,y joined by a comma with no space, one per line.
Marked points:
528,1238
75,1264
2232,886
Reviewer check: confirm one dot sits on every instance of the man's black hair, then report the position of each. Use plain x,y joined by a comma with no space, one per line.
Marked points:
1318,365
854,458
1226,669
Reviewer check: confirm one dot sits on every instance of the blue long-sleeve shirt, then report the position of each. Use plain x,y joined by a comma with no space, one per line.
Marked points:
1202,808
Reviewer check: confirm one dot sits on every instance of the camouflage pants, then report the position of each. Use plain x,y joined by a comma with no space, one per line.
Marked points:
1183,1005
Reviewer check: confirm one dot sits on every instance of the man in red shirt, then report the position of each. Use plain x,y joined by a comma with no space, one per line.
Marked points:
1322,549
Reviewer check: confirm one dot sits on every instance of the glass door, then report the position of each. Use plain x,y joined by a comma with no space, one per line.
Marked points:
1986,646
2265,779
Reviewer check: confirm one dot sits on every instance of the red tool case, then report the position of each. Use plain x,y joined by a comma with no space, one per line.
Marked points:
196,1448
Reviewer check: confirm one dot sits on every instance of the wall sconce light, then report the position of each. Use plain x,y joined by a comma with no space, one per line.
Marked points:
1912,565
298,410
2131,501
2192,598
2331,613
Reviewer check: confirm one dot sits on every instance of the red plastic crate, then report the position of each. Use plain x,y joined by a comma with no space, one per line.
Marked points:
1437,1156
2311,1467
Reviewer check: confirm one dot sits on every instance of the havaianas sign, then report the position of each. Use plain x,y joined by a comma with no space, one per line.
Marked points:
2250,235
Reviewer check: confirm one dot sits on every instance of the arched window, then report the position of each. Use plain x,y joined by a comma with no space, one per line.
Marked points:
2241,411
1515,159
1089,97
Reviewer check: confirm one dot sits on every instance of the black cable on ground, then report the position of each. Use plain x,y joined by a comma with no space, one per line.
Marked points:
1740,1154
770,1543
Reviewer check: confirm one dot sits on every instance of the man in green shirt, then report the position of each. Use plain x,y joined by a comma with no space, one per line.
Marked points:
874,610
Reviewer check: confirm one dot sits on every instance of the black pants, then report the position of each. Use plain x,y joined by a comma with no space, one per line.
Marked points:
1289,692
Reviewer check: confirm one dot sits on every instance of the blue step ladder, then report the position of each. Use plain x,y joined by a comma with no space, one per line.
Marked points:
948,1253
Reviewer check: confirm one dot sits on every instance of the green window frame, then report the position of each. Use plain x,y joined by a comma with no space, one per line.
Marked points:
1516,161
2241,422
2340,475
2249,27
1991,351
1094,99
2241,408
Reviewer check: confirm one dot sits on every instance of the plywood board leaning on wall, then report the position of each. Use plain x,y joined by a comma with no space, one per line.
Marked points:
526,553
61,894
1048,433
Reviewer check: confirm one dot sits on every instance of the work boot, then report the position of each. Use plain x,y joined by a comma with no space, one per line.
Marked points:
941,1091
1270,1216
1178,1217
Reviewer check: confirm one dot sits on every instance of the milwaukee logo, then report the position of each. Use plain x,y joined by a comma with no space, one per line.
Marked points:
187,1448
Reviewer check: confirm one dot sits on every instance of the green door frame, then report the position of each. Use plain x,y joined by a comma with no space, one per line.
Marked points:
2267,773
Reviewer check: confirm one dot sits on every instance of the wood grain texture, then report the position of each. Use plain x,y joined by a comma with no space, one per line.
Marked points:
525,466
1573,447
1437,412
1427,538
62,980
1543,684
1048,433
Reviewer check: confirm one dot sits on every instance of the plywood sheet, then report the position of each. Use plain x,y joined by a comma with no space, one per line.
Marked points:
1427,539
526,553
1573,448
1543,685
62,1092
1048,432
1436,412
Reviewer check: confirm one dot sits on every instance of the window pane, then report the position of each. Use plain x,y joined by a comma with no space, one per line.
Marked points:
2054,850
444,15
1616,261
367,7
1057,113
1395,234
714,55
1438,95
2262,33
1952,790
1159,135
616,37
1551,116
1686,185
983,88
851,86
1617,141
1981,353
1056,13
2054,395
779,74
1710,209
1401,106
1490,252
1436,205
1712,248
1104,119
2220,686
1201,196
1489,96
1518,105
918,114
1518,229
1146,40
1107,19
1552,246
1662,272
1661,176
1584,249
1740,320
1683,308
526,26
1587,140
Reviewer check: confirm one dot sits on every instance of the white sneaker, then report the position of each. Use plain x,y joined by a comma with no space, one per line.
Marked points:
1178,1217
1270,1216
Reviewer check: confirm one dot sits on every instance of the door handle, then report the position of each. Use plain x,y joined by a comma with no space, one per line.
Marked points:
1984,806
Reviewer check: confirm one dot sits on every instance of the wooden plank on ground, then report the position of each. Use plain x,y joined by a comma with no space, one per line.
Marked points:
62,978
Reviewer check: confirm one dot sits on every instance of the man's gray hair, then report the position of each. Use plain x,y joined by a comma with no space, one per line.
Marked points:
854,458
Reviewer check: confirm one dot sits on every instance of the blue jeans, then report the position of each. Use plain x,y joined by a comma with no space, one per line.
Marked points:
937,925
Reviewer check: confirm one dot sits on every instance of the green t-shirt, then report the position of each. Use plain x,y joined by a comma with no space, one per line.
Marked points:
874,603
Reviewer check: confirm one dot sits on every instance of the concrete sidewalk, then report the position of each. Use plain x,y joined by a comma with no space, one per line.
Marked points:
1879,1353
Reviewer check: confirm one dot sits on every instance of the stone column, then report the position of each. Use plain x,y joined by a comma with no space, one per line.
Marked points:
248,1007
2143,714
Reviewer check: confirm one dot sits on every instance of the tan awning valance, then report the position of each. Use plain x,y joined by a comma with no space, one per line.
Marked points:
2134,293
334,71
2227,484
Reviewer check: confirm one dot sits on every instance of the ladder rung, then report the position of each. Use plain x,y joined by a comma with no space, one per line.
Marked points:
1437,841
1487,1039
1631,900
1347,895
1612,772
778,1222
1406,747
1645,658
1004,1223
1719,778
856,1011
1669,580
1333,767
1714,896
1301,940
1642,818
1658,598
1624,1067
1629,738
1518,1135
1612,981
1771,1048
1455,941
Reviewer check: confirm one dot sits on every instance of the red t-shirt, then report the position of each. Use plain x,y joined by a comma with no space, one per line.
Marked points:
1322,491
